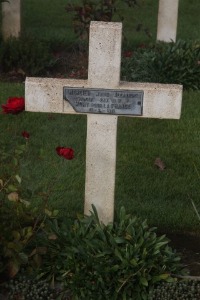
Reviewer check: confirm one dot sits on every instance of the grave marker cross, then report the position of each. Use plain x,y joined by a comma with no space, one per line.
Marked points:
11,18
159,101
167,20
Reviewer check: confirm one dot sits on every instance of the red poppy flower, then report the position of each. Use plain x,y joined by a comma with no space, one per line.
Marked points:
14,105
26,135
67,153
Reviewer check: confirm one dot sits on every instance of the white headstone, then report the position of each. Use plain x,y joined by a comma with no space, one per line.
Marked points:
11,19
167,20
103,97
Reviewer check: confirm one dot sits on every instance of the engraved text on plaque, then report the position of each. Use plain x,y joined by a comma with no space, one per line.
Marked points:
105,101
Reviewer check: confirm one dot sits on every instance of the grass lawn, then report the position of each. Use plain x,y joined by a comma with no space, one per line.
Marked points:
163,197
49,20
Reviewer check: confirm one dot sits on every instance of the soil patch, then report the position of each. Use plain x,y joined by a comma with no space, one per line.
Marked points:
188,245
68,64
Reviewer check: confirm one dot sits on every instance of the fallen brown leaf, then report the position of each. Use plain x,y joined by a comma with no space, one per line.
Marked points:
160,164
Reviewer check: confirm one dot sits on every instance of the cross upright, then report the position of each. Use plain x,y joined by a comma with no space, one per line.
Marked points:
103,98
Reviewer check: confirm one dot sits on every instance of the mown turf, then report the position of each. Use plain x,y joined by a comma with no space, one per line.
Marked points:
48,20
163,197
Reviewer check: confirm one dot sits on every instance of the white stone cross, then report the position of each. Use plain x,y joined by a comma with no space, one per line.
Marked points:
167,20
11,19
159,101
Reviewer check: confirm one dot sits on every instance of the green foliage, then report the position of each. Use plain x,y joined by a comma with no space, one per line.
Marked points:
177,63
184,290
20,222
23,287
117,261
25,56
94,10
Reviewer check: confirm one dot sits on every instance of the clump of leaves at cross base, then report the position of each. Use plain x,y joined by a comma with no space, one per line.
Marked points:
117,261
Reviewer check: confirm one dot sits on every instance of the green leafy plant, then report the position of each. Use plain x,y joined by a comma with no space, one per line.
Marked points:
94,10
20,221
117,261
176,63
25,56
185,289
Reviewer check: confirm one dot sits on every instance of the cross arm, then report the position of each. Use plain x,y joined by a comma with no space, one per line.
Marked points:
46,94
161,101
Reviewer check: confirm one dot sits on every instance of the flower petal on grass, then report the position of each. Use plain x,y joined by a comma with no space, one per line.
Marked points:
14,105
67,153
26,135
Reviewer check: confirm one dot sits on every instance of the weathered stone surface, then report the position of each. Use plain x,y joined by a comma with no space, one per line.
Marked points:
103,72
11,19
159,101
167,20
104,54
